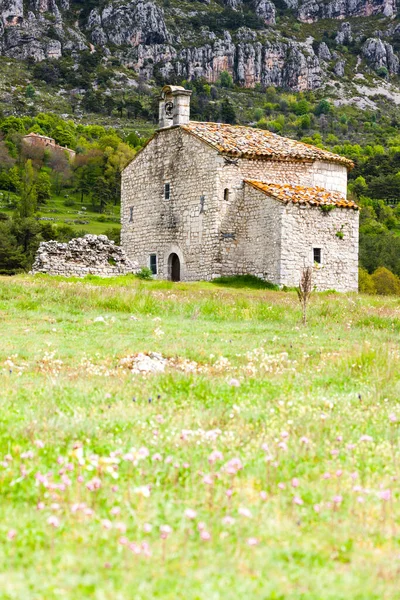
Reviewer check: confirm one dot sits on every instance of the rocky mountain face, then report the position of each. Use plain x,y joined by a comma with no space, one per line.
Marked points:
257,41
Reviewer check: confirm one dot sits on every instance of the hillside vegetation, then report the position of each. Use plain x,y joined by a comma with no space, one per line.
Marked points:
263,463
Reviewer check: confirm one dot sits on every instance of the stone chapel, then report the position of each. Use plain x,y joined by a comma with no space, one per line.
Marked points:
202,200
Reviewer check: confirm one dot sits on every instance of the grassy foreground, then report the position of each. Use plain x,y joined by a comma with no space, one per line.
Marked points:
263,463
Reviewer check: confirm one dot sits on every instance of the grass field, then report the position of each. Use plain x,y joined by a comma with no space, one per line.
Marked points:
262,464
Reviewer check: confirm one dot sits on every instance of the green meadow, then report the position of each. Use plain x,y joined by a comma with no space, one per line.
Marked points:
196,442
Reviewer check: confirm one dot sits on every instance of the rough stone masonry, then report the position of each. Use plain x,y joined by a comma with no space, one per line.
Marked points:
90,255
203,200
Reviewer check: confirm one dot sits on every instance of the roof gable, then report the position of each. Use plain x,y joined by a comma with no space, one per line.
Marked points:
248,142
298,194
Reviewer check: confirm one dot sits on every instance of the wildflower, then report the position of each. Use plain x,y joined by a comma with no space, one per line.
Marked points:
190,513
284,435
205,536
39,444
234,382
245,512
252,541
28,454
157,457
233,466
53,521
263,495
94,484
123,541
165,531
298,500
208,480
11,534
339,473
214,456
337,499
228,520
106,524
350,446
384,495
135,548
295,482
304,440
143,491
326,476
229,493
392,418
281,486
282,446
147,527
121,527
201,526
40,506
366,438
115,510
334,452
317,508
168,460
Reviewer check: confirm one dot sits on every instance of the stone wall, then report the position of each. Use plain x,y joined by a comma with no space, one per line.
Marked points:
90,255
187,223
335,232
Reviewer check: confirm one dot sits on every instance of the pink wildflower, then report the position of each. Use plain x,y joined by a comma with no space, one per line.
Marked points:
214,456
392,418
281,486
263,495
205,536
208,480
304,440
39,444
147,527
190,513
123,541
366,438
252,541
53,521
228,520
201,526
295,482
11,534
106,523
384,495
338,499
157,457
298,500
245,512
165,531
120,526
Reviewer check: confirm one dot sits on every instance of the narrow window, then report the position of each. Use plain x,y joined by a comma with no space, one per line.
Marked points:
167,191
226,194
153,263
317,255
131,214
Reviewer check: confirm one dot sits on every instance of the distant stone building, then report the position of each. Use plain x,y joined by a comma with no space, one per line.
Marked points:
203,200
42,141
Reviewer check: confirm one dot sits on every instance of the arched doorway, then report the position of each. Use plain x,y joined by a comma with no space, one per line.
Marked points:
174,267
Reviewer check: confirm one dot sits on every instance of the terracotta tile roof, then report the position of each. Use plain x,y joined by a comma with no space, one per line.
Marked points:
247,142
298,194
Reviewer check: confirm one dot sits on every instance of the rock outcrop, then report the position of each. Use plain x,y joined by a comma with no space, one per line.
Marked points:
90,255
162,39
380,55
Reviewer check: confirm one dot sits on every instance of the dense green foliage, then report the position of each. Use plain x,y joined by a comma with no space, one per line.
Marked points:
31,175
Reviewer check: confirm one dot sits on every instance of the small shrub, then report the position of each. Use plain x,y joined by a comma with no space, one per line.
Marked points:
366,284
145,273
386,282
69,202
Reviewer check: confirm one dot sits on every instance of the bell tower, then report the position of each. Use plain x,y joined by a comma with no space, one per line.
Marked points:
174,106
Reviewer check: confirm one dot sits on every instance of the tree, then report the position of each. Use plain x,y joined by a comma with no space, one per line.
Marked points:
43,187
304,291
30,91
386,283
228,114
225,80
12,258
28,192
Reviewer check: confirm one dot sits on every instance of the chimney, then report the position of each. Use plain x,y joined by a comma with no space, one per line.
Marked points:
174,106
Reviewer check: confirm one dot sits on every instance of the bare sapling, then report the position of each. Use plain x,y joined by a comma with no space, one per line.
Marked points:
304,291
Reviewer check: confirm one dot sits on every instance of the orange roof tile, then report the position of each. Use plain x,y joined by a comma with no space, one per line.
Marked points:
298,194
247,142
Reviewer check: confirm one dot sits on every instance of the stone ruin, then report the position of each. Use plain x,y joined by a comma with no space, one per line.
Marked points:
90,255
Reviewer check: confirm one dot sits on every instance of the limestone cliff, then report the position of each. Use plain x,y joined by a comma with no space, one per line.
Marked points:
248,38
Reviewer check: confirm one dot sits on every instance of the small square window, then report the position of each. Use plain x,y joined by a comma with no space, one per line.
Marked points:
167,191
153,263
131,214
317,252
